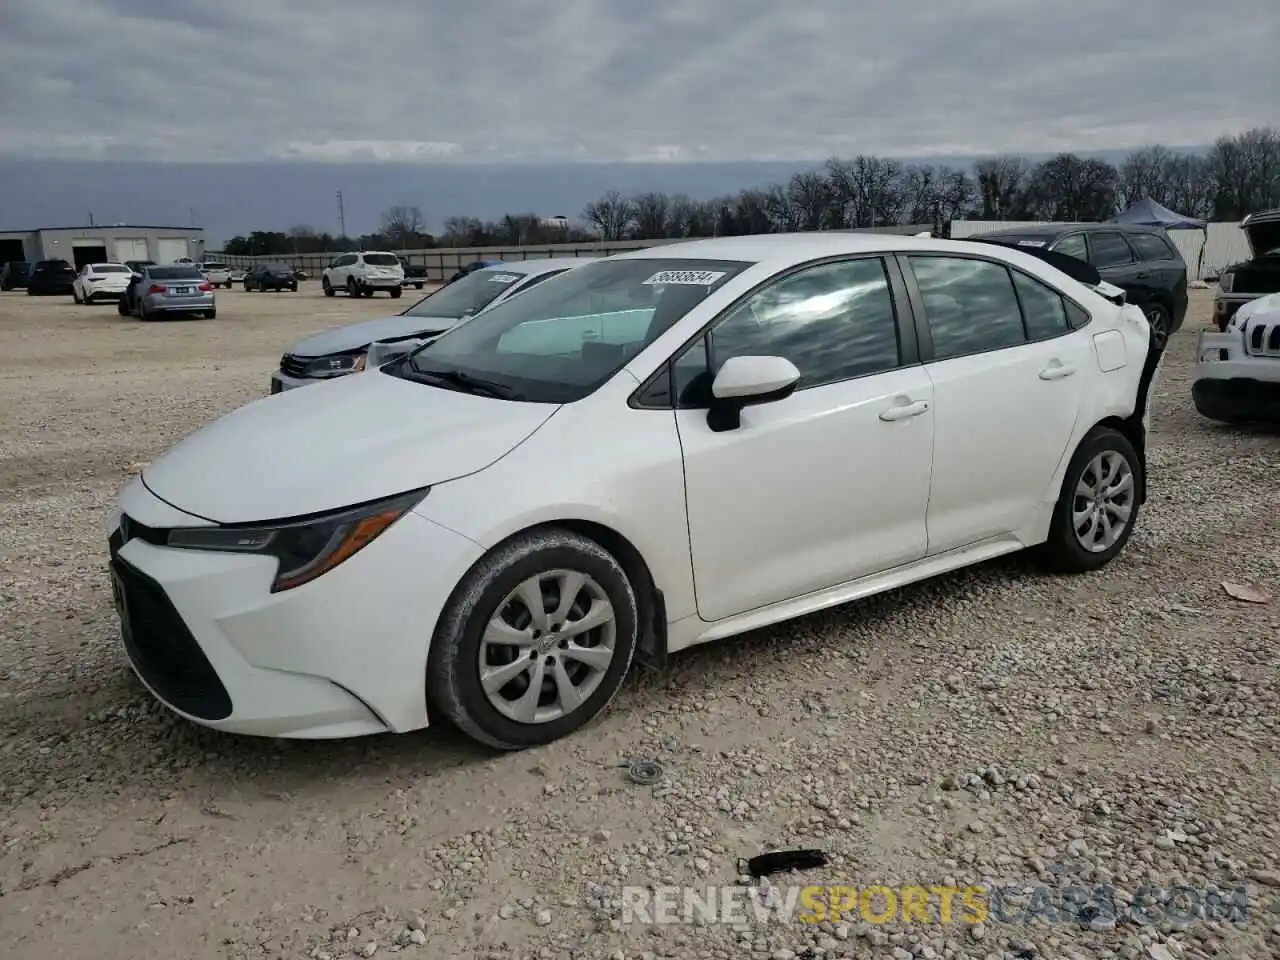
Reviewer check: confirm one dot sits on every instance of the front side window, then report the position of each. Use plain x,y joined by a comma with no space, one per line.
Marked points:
562,340
1109,250
835,321
970,305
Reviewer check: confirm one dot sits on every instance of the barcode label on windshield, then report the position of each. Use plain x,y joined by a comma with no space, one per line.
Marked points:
693,278
1031,243
504,278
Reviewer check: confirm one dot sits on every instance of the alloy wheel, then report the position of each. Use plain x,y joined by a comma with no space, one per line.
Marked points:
547,647
1103,503
1159,323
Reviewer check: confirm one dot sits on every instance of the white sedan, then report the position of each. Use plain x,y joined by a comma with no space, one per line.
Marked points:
651,451
100,281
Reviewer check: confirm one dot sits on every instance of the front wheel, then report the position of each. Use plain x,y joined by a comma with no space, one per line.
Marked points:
1098,505
535,641
122,307
328,290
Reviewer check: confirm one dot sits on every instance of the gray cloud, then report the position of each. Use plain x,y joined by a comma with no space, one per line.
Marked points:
667,80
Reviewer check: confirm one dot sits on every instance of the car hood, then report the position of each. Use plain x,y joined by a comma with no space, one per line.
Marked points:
338,443
357,335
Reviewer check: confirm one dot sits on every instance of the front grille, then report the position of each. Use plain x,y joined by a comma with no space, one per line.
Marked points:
1262,338
160,646
292,366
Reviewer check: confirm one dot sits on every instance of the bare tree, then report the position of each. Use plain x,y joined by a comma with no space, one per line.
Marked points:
1246,172
1071,188
1002,183
403,226
612,215
809,196
866,189
652,213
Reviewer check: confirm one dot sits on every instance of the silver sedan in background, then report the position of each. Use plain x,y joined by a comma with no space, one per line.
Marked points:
159,291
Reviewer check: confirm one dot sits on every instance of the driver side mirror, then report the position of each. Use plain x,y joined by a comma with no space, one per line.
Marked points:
747,382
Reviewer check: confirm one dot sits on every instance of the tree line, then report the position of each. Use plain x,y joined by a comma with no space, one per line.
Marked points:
1236,176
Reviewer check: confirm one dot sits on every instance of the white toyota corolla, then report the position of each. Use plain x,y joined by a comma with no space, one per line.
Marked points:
654,450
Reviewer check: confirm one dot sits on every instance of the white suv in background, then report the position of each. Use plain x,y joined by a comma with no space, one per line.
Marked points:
364,273
219,274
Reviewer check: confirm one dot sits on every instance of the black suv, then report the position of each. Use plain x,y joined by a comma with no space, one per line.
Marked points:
13,275
51,277
1255,277
1142,261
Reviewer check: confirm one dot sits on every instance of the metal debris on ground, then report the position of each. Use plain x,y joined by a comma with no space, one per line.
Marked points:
642,772
780,861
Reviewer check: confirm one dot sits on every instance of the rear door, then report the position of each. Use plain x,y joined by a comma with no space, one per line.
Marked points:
1163,269
1110,252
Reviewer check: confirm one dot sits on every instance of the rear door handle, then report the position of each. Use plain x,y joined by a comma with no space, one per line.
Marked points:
904,411
1057,371
1145,275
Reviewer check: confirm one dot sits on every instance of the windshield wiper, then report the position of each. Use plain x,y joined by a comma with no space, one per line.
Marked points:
465,383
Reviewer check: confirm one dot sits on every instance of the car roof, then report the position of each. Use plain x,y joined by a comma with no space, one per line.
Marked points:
779,248
1058,229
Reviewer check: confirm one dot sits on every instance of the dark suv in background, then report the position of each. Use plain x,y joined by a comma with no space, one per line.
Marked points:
1142,261
13,275
51,277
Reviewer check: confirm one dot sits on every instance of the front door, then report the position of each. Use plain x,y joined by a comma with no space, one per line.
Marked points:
828,485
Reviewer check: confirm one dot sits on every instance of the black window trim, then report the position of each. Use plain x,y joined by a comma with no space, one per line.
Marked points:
1171,253
907,330
1092,235
924,336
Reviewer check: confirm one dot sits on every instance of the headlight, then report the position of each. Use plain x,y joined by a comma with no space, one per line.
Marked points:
1226,281
333,366
305,548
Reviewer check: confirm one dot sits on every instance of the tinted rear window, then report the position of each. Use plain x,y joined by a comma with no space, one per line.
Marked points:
175,273
110,268
381,260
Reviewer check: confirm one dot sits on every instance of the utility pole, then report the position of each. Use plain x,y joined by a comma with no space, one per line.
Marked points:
342,218
192,212
91,218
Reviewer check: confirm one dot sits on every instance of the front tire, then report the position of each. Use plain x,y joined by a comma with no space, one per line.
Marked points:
1098,505
122,307
535,641
328,290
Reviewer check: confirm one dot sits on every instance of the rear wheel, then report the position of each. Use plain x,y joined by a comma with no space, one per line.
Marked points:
1161,324
396,293
535,641
1098,505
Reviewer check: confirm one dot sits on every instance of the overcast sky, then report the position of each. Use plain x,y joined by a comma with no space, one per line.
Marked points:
627,80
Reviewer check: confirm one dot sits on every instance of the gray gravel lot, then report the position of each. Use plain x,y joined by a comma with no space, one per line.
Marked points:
995,726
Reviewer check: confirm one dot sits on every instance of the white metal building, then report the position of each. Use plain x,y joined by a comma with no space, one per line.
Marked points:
118,242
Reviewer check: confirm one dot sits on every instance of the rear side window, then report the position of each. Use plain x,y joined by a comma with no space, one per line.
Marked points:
1109,250
970,305
381,260
1151,247
1072,246
1043,309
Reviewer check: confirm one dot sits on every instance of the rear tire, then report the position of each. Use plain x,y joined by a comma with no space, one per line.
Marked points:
396,293
490,592
1099,491
1161,324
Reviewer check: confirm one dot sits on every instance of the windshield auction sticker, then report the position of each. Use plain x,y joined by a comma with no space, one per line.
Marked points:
503,278
692,278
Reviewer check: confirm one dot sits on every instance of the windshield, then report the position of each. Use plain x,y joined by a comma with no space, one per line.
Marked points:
381,259
175,273
564,338
110,268
465,296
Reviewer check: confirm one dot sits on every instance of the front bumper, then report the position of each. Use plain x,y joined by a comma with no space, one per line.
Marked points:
1231,385
344,655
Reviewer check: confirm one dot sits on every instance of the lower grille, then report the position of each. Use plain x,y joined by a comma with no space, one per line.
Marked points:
292,366
162,649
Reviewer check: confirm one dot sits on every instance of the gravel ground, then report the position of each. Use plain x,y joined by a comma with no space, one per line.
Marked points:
994,726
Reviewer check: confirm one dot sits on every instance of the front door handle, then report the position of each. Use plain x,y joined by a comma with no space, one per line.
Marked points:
904,411
1057,371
